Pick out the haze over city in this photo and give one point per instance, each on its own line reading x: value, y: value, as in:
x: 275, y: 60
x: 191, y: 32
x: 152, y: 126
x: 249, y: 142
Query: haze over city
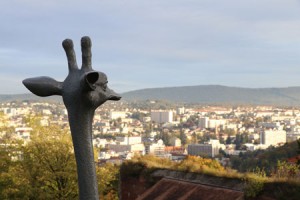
x: 147, y: 44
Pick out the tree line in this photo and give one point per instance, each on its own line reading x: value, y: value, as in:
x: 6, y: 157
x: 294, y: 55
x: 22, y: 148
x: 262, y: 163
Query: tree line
x: 45, y: 168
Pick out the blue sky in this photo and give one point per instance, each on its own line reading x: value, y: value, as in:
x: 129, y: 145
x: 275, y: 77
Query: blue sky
x: 158, y: 43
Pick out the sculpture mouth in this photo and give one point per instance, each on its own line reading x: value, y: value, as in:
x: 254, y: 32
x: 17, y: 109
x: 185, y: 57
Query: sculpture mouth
x: 114, y: 97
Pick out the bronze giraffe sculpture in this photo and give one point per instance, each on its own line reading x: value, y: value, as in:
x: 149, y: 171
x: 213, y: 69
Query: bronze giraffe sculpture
x: 82, y: 91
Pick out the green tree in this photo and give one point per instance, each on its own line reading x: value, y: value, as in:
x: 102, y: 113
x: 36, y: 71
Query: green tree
x: 49, y: 160
x: 138, y: 115
x: 7, y: 186
x: 198, y: 164
x: 165, y: 136
x: 46, y: 170
x: 238, y: 140
x: 5, y: 130
x: 229, y: 132
x: 45, y: 167
x: 108, y: 180
x: 286, y: 170
x: 182, y: 137
x: 298, y: 151
x: 228, y: 140
x: 194, y: 138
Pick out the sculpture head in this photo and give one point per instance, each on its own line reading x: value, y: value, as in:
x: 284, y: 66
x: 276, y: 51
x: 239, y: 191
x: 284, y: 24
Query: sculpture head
x: 82, y: 86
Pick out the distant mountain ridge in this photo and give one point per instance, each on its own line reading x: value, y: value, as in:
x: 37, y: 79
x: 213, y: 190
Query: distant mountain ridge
x: 203, y: 94
x: 27, y: 97
x: 217, y: 94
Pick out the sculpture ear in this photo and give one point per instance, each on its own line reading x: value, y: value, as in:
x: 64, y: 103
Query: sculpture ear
x: 90, y: 79
x: 43, y: 86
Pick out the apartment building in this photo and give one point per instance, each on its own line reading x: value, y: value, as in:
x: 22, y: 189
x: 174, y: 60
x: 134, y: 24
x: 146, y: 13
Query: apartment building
x: 162, y: 116
x: 210, y: 149
x: 272, y: 137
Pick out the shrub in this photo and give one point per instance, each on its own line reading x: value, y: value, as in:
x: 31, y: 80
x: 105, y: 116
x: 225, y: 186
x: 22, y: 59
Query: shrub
x: 254, y: 183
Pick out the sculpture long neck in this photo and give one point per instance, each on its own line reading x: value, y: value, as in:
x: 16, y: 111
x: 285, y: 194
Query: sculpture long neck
x: 81, y: 128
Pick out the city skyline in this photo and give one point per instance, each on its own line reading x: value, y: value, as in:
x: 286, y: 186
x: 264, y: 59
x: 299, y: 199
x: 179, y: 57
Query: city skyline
x: 143, y: 44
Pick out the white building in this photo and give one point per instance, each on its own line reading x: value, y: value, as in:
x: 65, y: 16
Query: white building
x: 146, y: 119
x: 210, y: 149
x: 264, y: 113
x: 127, y: 144
x: 254, y: 136
x: 23, y: 133
x: 203, y: 122
x: 180, y: 111
x: 250, y: 146
x: 272, y: 137
x: 214, y: 123
x: 122, y: 148
x: 176, y: 142
x: 10, y: 111
x: 46, y: 112
x: 157, y: 149
x: 269, y: 124
x: 117, y: 115
x: 161, y: 116
x: 98, y: 142
x: 233, y: 126
x: 129, y: 140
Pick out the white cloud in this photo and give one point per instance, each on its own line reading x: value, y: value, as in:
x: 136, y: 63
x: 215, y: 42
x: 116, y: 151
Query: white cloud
x: 151, y: 43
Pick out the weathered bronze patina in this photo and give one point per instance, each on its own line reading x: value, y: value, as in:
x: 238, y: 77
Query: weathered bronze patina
x: 82, y: 91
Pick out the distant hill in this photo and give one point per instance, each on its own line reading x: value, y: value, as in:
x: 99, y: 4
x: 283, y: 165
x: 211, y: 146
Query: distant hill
x: 203, y: 94
x: 29, y: 97
x: 217, y: 94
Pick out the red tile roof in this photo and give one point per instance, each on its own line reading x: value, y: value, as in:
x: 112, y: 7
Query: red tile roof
x: 182, y: 190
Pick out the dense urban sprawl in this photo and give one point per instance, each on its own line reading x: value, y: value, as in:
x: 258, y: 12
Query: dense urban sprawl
x: 122, y: 130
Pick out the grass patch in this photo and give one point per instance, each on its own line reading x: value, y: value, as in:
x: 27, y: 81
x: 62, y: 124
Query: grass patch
x: 256, y: 182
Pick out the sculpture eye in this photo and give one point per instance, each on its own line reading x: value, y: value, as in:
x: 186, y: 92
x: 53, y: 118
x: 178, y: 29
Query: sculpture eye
x: 104, y: 87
